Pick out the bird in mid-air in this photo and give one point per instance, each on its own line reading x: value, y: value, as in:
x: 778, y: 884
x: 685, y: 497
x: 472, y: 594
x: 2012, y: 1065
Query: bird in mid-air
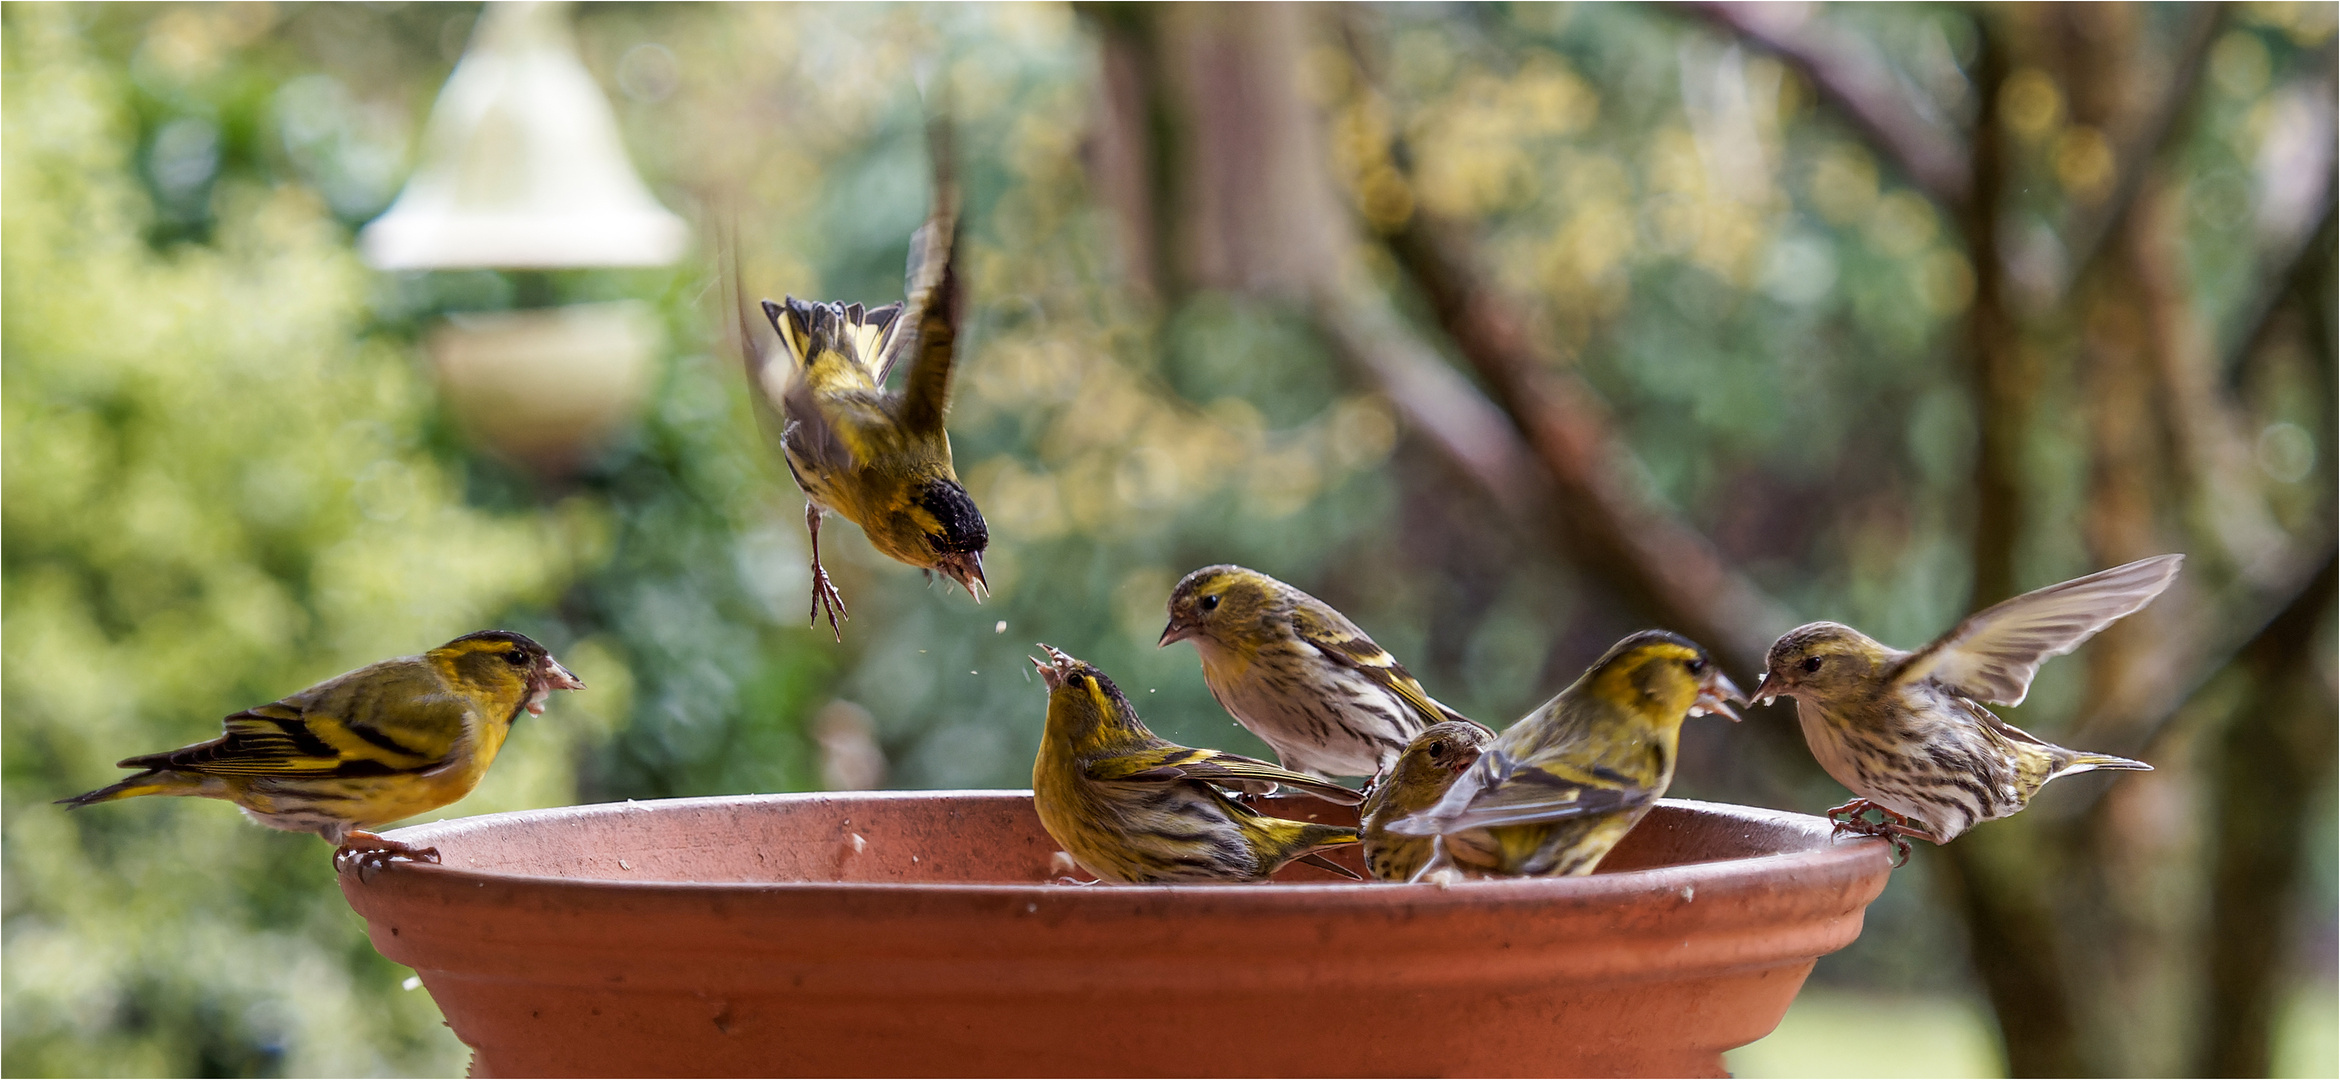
x: 876, y: 457
x: 1133, y: 808
x: 1299, y: 674
x: 1908, y: 732
x: 357, y: 751
x: 1557, y: 790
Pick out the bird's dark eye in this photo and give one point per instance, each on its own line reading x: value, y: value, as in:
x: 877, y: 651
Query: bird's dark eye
x: 1210, y: 603
x: 1695, y: 665
x: 1811, y: 663
x: 517, y: 658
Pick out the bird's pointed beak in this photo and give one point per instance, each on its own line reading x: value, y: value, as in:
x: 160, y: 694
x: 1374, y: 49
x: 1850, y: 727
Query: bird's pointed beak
x: 967, y: 569
x: 1716, y: 695
x: 1056, y: 667
x: 550, y: 676
x: 1763, y: 695
x: 1173, y: 633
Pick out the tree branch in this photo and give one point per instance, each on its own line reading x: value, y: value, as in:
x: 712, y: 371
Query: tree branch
x: 1445, y: 408
x: 1850, y: 77
x: 2277, y: 751
x: 1659, y: 563
x: 2293, y: 268
x: 2148, y: 142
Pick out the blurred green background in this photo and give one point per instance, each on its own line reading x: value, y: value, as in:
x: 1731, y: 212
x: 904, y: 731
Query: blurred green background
x: 1894, y: 310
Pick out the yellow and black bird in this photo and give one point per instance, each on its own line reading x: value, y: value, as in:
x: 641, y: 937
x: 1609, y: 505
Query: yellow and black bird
x: 879, y: 458
x: 1299, y: 674
x: 1557, y: 790
x: 1133, y: 808
x: 1909, y: 732
x: 1421, y: 777
x: 357, y: 751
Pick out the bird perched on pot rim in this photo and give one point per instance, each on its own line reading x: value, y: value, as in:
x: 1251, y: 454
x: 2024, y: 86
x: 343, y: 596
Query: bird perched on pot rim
x: 360, y: 750
x: 1299, y: 674
x: 1908, y: 732
x: 878, y: 458
x: 1130, y: 807
x: 1557, y: 790
x: 1415, y: 783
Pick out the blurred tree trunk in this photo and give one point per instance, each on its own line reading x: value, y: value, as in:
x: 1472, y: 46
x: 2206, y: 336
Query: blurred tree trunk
x: 2080, y: 914
x: 1998, y: 878
x: 2276, y: 753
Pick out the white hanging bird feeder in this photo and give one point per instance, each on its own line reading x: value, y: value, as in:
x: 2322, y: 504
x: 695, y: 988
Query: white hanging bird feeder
x: 522, y: 167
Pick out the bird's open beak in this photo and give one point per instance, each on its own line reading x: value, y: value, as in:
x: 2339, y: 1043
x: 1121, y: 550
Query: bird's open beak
x: 967, y: 570
x: 1173, y: 633
x: 1054, y: 669
x: 550, y: 676
x: 1763, y: 696
x: 1716, y: 695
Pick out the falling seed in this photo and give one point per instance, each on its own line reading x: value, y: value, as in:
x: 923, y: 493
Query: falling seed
x: 972, y: 671
x: 859, y: 843
x: 412, y: 982
x: 624, y: 865
x: 999, y: 627
x: 913, y: 858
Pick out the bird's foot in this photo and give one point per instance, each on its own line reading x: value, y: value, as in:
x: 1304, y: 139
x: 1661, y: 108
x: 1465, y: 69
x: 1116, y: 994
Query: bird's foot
x: 827, y: 599
x: 825, y: 595
x: 368, y: 854
x: 1895, y: 829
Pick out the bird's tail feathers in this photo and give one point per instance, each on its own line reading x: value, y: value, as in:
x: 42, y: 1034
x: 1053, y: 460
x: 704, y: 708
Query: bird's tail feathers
x: 150, y: 782
x: 2082, y: 762
x: 811, y: 329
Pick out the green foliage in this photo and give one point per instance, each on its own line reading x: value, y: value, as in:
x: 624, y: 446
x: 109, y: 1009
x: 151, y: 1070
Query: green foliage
x: 217, y: 494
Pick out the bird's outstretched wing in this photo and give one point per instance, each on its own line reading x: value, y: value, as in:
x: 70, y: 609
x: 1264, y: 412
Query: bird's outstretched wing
x: 1502, y: 791
x: 932, y: 305
x: 1165, y: 762
x: 1343, y: 643
x: 1992, y: 655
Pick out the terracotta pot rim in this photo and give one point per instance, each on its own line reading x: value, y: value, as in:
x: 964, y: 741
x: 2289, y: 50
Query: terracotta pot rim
x: 1823, y: 851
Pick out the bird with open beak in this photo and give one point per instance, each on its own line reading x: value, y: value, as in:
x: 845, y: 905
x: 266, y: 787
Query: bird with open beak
x: 876, y: 457
x: 1130, y: 807
x: 1557, y: 790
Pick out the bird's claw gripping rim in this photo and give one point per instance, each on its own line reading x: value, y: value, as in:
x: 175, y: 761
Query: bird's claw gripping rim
x: 1895, y: 829
x: 367, y: 854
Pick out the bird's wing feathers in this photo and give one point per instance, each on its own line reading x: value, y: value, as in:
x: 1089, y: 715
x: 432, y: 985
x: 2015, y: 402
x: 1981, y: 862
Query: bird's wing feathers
x: 1502, y: 791
x: 1343, y: 643
x: 785, y: 401
x: 370, y: 722
x: 1164, y: 763
x: 833, y: 432
x: 1993, y: 654
x: 933, y: 305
